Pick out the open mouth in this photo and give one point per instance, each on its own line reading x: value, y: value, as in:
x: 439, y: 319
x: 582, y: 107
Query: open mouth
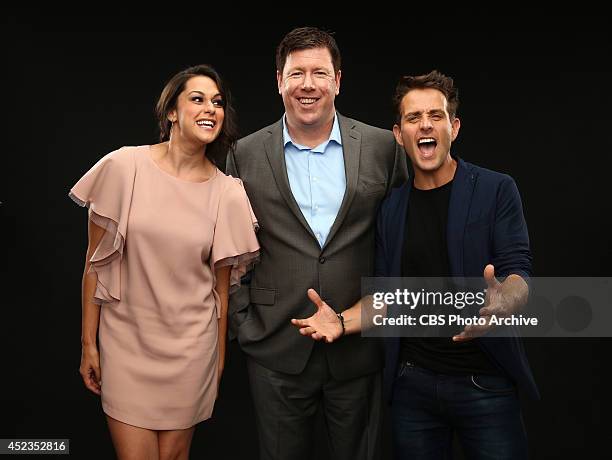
x: 427, y: 146
x: 307, y: 100
x: 210, y: 124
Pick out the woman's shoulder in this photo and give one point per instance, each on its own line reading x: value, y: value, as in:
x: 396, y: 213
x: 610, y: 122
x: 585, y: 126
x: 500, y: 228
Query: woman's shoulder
x: 231, y: 187
x: 127, y: 152
x: 123, y: 156
x: 230, y: 181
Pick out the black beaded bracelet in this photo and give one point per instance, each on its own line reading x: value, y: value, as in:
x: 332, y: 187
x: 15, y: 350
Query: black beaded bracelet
x: 341, y: 318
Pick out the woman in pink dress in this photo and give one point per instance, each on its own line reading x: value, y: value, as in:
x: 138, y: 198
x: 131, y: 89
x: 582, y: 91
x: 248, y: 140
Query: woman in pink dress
x: 169, y: 233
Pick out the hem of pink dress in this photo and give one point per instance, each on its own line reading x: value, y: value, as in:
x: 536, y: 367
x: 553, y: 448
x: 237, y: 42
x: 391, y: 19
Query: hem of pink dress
x: 149, y: 424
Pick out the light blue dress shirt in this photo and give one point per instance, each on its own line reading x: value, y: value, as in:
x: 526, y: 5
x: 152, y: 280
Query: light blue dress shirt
x: 317, y: 179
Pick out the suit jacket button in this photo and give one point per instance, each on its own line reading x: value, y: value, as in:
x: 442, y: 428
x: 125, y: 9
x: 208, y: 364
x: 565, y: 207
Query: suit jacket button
x: 321, y: 260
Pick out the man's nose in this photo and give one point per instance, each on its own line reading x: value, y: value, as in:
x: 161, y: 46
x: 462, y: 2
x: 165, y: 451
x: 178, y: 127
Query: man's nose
x: 308, y: 82
x: 426, y: 123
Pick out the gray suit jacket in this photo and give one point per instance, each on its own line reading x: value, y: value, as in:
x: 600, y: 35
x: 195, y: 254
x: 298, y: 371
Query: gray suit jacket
x: 292, y: 260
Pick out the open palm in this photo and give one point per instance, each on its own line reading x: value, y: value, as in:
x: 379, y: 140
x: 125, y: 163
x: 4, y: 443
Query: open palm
x: 324, y: 324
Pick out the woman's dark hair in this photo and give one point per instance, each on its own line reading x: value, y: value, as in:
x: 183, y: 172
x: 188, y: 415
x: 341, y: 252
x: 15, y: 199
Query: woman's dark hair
x: 217, y: 150
x: 304, y: 38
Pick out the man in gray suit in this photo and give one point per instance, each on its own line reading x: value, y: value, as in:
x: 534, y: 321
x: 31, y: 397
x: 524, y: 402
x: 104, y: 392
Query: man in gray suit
x: 315, y: 180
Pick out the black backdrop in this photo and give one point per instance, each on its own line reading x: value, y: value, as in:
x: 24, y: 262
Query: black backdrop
x: 535, y: 104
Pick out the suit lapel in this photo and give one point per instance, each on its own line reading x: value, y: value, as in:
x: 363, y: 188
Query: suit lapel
x: 351, y: 149
x: 396, y: 228
x: 276, y: 157
x: 458, y: 210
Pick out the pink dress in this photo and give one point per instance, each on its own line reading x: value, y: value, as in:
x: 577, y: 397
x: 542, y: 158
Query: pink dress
x: 156, y: 284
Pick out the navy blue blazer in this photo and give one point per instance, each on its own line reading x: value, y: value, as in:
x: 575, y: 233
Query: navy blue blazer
x: 485, y: 226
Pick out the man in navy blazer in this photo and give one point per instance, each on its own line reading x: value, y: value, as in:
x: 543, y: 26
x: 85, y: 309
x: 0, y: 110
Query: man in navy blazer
x: 452, y: 219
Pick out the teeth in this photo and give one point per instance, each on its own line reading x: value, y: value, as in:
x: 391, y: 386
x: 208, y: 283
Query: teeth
x: 426, y: 139
x: 305, y: 100
x: 205, y: 123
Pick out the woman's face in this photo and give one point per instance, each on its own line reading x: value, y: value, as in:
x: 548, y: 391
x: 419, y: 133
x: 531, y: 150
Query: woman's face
x: 199, y: 112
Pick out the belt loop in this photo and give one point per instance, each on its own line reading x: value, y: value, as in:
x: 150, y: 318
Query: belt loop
x: 402, y: 369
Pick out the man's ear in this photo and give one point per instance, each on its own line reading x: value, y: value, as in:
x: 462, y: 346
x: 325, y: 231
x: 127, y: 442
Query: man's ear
x: 279, y: 82
x: 456, y: 124
x: 397, y: 132
x: 338, y: 78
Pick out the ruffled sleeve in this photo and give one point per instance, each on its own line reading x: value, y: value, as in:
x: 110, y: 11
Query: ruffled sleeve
x: 106, y: 189
x: 234, y: 240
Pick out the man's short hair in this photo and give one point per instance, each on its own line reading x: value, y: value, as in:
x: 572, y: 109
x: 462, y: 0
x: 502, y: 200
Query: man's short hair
x: 304, y: 38
x: 433, y: 79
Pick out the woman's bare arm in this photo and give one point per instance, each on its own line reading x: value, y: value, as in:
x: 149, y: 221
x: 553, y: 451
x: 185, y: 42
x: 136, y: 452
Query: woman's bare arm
x: 223, y: 280
x: 90, y: 358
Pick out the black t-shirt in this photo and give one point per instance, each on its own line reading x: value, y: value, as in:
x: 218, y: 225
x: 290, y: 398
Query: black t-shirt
x: 425, y: 254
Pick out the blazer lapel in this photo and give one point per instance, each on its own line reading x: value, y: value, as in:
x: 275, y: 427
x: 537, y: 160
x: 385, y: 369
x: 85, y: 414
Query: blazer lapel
x: 458, y: 210
x: 396, y: 228
x: 276, y: 157
x: 351, y: 148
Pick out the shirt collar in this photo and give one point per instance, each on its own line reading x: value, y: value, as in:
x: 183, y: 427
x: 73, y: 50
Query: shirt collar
x: 334, y: 136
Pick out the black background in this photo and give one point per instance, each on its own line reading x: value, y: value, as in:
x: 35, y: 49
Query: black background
x: 535, y: 92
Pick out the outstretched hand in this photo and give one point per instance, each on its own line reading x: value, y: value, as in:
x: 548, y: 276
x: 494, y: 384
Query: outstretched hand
x: 324, y: 324
x: 496, y: 304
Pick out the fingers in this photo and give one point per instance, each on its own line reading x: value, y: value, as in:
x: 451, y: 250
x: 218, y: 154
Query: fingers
x: 91, y: 379
x: 471, y: 332
x: 300, y: 322
x: 312, y: 332
x: 305, y: 327
x: 319, y: 336
x: 97, y: 374
x: 307, y: 330
x: 489, y: 276
x: 462, y: 337
x: 315, y: 298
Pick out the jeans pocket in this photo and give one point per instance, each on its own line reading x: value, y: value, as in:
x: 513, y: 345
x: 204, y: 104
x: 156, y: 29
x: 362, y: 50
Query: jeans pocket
x: 493, y: 384
x: 403, y: 369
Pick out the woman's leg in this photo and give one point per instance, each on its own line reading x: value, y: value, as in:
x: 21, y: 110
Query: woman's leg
x: 132, y: 442
x: 175, y: 444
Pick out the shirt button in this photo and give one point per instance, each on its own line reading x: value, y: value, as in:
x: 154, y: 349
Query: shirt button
x: 321, y: 260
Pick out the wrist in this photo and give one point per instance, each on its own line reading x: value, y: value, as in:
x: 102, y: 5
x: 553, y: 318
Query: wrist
x: 86, y: 343
x: 341, y: 319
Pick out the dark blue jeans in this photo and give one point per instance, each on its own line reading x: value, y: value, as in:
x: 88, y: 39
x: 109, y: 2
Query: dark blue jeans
x: 483, y: 410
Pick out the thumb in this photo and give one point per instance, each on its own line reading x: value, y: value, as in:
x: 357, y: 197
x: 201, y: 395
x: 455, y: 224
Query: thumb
x: 489, y: 276
x: 314, y: 298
